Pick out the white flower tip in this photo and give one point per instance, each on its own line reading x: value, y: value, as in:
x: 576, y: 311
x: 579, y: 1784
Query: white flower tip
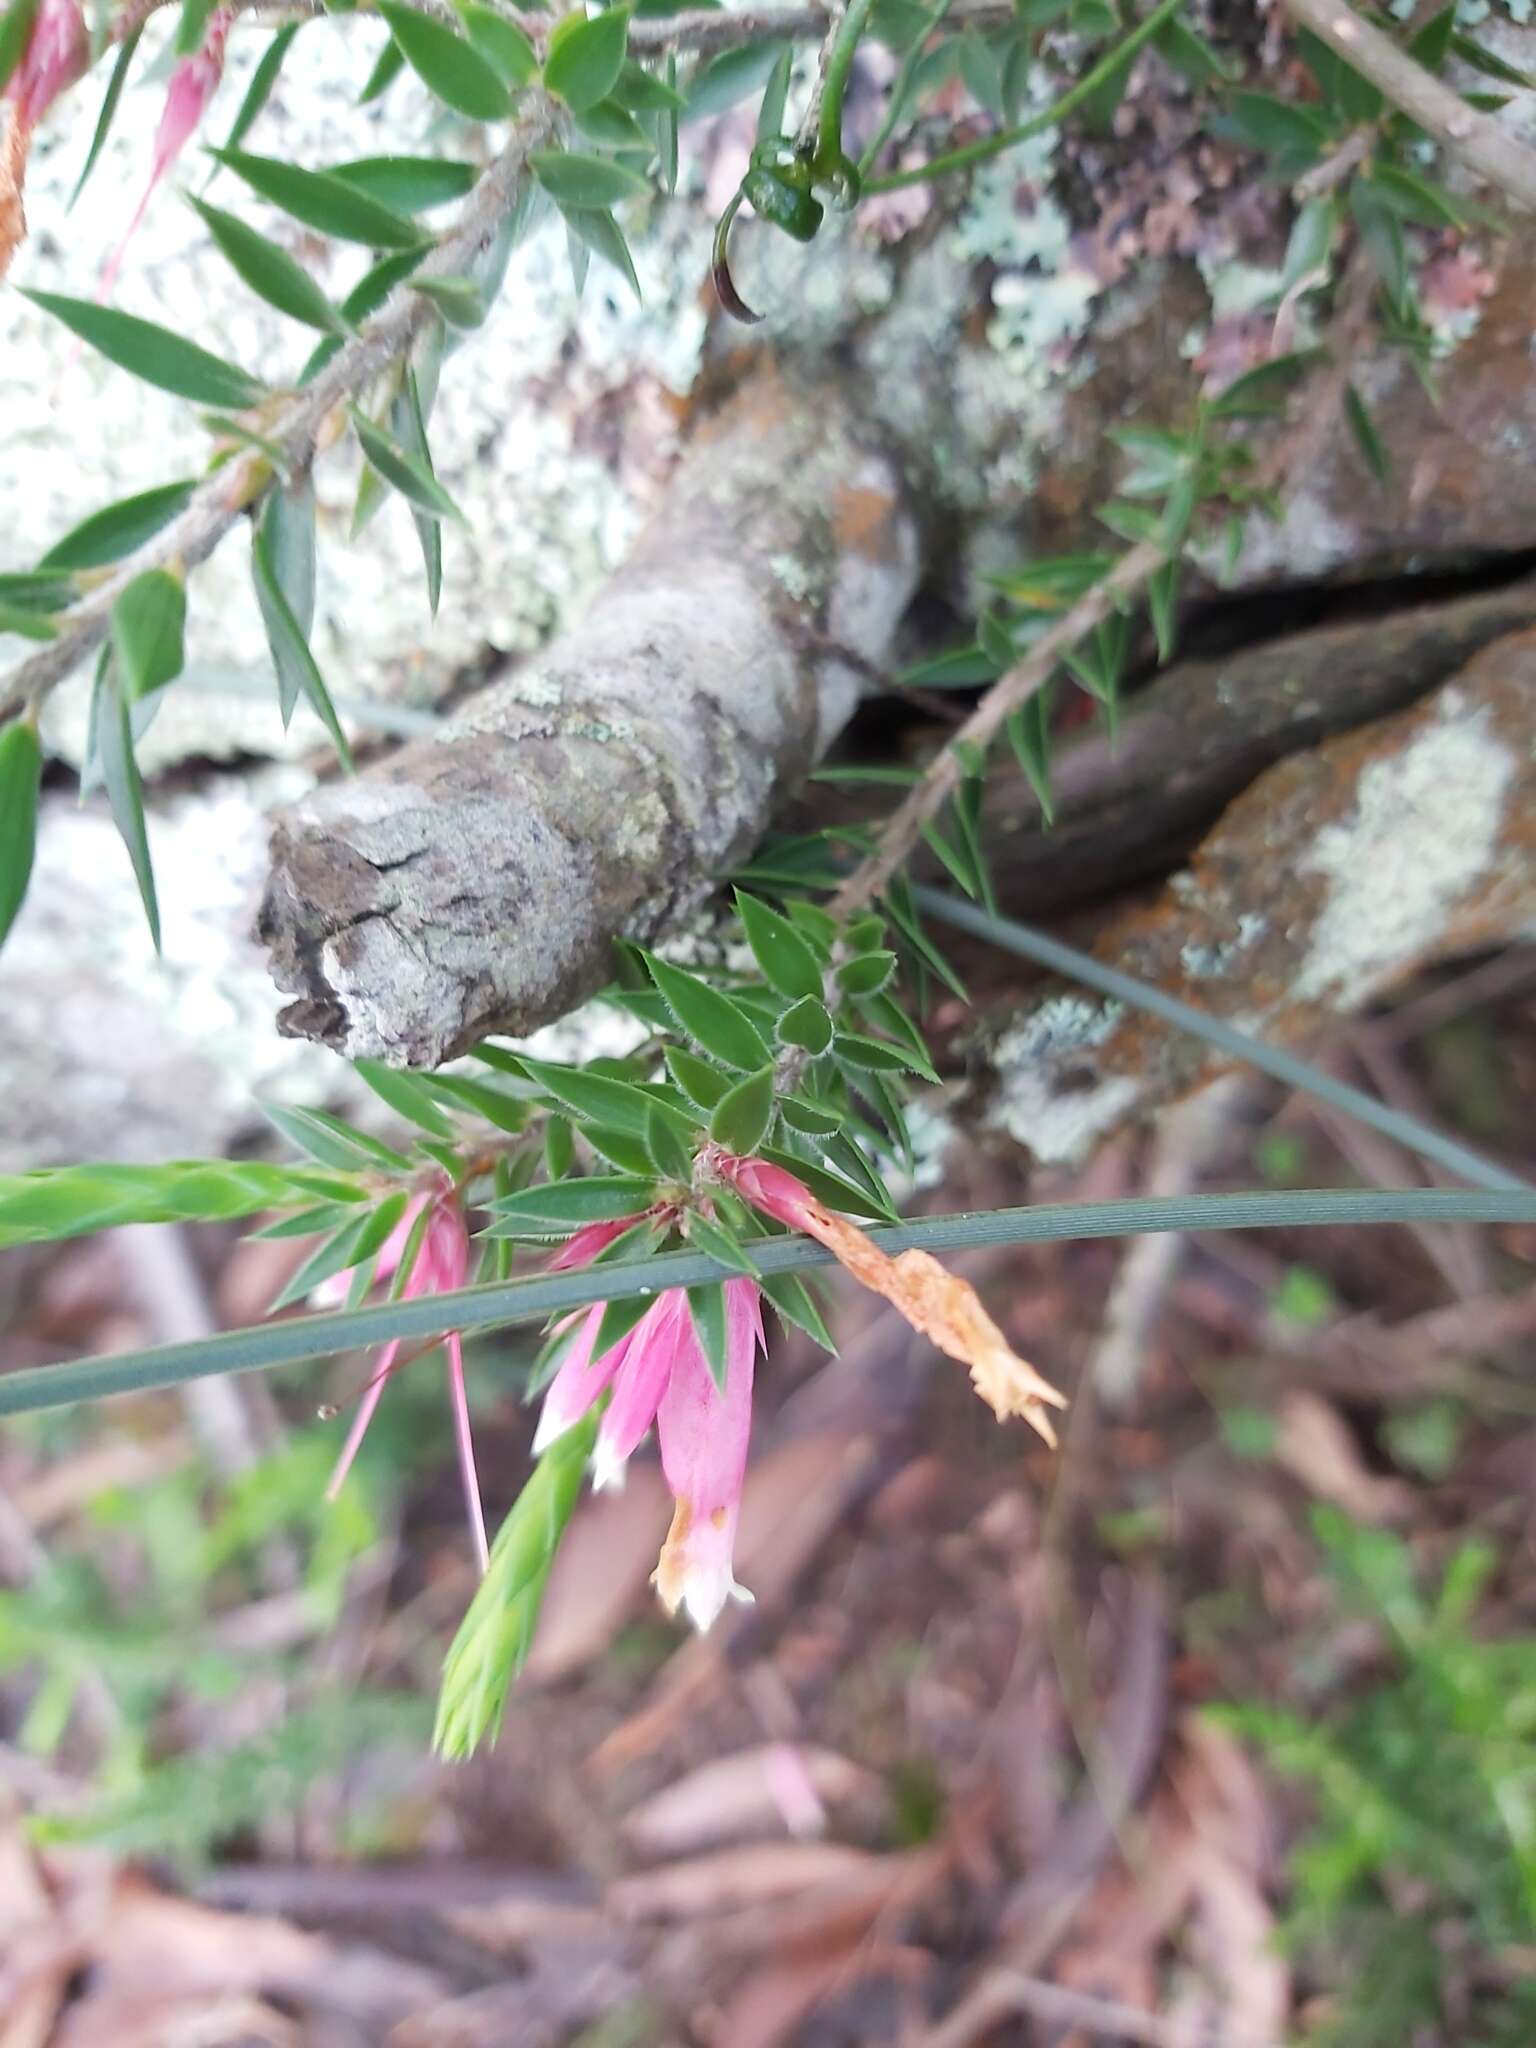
x: 693, y: 1572
x: 705, y: 1596
x: 607, y: 1470
x: 552, y: 1425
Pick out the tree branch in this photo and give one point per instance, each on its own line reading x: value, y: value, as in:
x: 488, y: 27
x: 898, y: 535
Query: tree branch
x: 300, y: 429
x: 1476, y: 138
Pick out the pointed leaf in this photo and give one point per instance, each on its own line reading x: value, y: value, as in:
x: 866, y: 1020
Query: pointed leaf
x: 409, y: 416
x: 387, y: 67
x: 263, y: 78
x: 1367, y: 439
x: 297, y: 671
x: 670, y: 1155
x: 153, y: 353
x: 806, y: 1024
x: 403, y: 473
x: 720, y: 1244
x: 406, y: 1094
x: 322, y: 201
x: 148, y: 622
x: 447, y: 64
x: 706, y: 1306
x: 125, y: 792
x: 269, y: 271
x: 602, y: 234
x: 741, y: 1120
x: 574, y: 179
x: 718, y: 1024
x: 787, y: 962
x: 500, y: 42
x: 790, y: 1297
x: 21, y: 771
x: 104, y: 119
x: 106, y: 536
x: 15, y: 33
x: 408, y: 184
x: 585, y: 57
x: 699, y: 1081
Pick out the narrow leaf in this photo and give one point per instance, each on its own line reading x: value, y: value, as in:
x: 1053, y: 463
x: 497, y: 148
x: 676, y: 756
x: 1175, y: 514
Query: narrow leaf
x: 297, y: 671
x: 586, y: 57
x: 21, y: 772
x: 403, y: 473
x: 408, y: 184
x: 125, y: 792
x: 406, y: 1094
x: 148, y: 622
x: 323, y: 201
x: 153, y: 353
x: 270, y: 271
x: 104, y: 119
x: 706, y: 1306
x: 106, y: 536
x: 447, y: 64
x: 718, y: 1024
x: 787, y: 962
x: 263, y: 78
x: 1367, y: 439
x: 574, y: 179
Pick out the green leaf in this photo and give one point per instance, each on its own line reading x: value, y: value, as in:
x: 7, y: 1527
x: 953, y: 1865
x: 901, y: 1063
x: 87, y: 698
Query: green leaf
x: 602, y: 234
x: 585, y: 57
x: 447, y: 64
x: 1029, y: 734
x: 269, y: 271
x: 1189, y: 54
x: 365, y: 297
x: 1163, y: 599
x: 741, y: 1119
x: 329, y: 1141
x: 706, y: 1306
x: 414, y: 483
x: 791, y: 1297
x: 813, y: 1119
x: 27, y: 621
x: 1293, y: 137
x: 458, y: 299
x: 502, y: 1111
x: 1367, y: 439
x: 574, y: 179
x: 387, y: 67
x: 862, y: 1051
x: 1431, y: 44
x: 153, y: 353
x: 718, y: 1243
x: 496, y: 1634
x: 148, y: 622
x: 718, y: 1024
x: 408, y: 184
x: 1353, y: 97
x: 500, y: 42
x: 730, y: 77
x: 21, y: 773
x: 358, y: 1239
x: 35, y: 590
x: 104, y: 119
x: 620, y: 1148
x: 409, y: 415
x: 1251, y: 393
x: 406, y: 1094
x: 106, y: 536
x: 618, y: 1319
x: 125, y: 792
x: 699, y: 1081
x: 672, y: 1159
x: 1313, y: 233
x: 15, y: 33
x: 787, y: 962
x: 287, y: 528
x: 1415, y: 198
x: 263, y: 78
x: 806, y: 1024
x: 770, y: 113
x: 866, y: 973
x: 1489, y: 63
x: 69, y: 1201
x: 595, y: 1097
x: 297, y: 671
x: 321, y: 200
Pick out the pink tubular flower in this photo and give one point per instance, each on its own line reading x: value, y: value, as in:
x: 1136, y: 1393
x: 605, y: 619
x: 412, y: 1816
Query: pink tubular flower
x: 658, y: 1374
x: 193, y: 84
x: 57, y: 52
x: 441, y: 1265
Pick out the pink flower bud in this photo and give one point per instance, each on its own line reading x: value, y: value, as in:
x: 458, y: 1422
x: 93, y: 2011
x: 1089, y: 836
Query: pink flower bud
x: 583, y: 1245
x: 769, y: 1188
x: 57, y: 53
x: 193, y: 84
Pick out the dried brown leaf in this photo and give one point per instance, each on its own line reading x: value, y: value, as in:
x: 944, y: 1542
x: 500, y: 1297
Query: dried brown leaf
x: 736, y: 1795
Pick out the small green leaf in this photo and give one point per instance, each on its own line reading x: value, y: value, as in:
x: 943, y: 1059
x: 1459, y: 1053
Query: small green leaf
x: 357, y: 1241
x: 1029, y: 734
x: 419, y: 488
x: 269, y: 271
x: 21, y: 772
x: 297, y: 671
x: 730, y: 77
x: 770, y: 113
x: 670, y: 1155
x: 602, y: 234
x: 787, y: 962
x: 806, y: 1024
x: 409, y: 416
x: 719, y: 1244
x: 862, y: 1051
x: 148, y: 622
x: 387, y: 67
x: 330, y: 1142
x: 29, y: 623
x: 1313, y: 233
x: 699, y: 1081
x: 365, y: 297
x: 866, y: 974
x: 706, y: 1305
x: 718, y: 1024
x: 104, y: 119
x: 406, y: 1094
x: 263, y: 78
x: 125, y: 792
x: 1367, y: 439
x: 408, y: 184
x: 1162, y: 599
x: 813, y: 1119
x: 321, y: 200
x: 458, y: 299
x: 790, y: 1297
x: 153, y: 353
x: 447, y: 64
x: 585, y: 57
x: 500, y: 42
x: 741, y: 1119
x: 1415, y: 198
x: 595, y: 1097
x: 116, y: 530
x: 574, y: 179
x: 192, y: 27
x: 1490, y: 64
x: 618, y: 1319
x: 288, y: 543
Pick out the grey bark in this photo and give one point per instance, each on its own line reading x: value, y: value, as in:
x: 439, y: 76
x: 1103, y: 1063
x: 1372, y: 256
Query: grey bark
x: 476, y: 883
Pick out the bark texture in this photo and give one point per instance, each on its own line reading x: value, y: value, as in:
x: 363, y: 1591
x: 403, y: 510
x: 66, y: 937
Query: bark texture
x: 1332, y: 881
x: 476, y: 883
